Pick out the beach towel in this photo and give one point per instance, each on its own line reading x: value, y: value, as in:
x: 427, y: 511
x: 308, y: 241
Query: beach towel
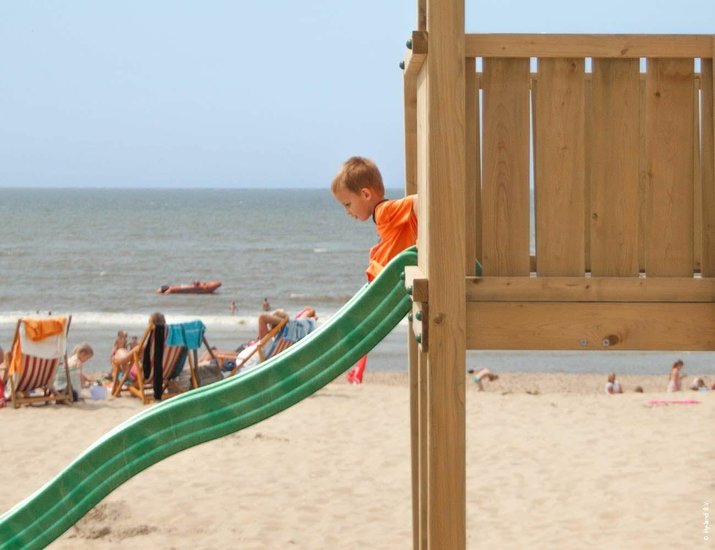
x: 188, y: 335
x: 43, y: 338
x: 294, y: 330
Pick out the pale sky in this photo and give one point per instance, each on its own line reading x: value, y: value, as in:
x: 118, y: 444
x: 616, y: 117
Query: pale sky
x: 230, y: 93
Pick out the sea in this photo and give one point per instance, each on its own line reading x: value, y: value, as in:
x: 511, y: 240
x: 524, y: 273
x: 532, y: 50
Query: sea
x: 100, y: 254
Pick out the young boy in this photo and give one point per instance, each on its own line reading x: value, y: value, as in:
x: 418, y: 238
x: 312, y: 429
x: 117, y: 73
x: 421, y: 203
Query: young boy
x: 358, y: 187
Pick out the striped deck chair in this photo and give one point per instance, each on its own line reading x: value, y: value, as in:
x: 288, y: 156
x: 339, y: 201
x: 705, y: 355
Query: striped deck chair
x: 38, y: 348
x: 168, y: 345
x: 282, y: 336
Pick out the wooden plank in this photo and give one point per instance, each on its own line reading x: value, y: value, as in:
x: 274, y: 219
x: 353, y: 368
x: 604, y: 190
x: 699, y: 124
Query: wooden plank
x: 471, y: 140
x: 422, y: 15
x: 478, y: 175
x: 614, y: 168
x: 417, y: 284
x: 587, y: 155
x: 669, y: 146
x: 630, y: 46
x: 642, y: 177
x: 707, y: 160
x: 441, y: 257
x: 591, y: 326
x: 423, y: 403
x: 410, y: 110
x: 697, y: 180
x: 413, y: 370
x: 413, y: 62
x: 590, y: 289
x: 559, y: 131
x: 505, y: 157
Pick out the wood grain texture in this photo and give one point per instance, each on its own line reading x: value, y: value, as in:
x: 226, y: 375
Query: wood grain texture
x: 559, y: 164
x: 441, y: 257
x: 588, y: 45
x: 590, y: 289
x: 669, y: 147
x: 614, y: 168
x: 707, y: 159
x: 505, y: 155
x: 591, y: 326
x: 472, y: 189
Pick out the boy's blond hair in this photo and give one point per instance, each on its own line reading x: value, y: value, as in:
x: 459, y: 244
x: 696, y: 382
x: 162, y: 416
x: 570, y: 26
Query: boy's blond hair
x: 357, y: 173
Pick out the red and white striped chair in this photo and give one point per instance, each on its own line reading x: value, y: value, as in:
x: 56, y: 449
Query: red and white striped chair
x: 33, y: 360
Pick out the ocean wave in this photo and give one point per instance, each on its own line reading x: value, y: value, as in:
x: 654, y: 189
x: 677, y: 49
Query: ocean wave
x: 322, y: 298
x: 104, y: 319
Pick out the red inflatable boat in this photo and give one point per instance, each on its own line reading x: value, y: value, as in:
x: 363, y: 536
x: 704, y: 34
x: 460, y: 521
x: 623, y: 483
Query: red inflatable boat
x: 197, y: 287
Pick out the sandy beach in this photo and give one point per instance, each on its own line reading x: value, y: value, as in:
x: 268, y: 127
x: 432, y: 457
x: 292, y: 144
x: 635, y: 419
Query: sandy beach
x: 552, y: 462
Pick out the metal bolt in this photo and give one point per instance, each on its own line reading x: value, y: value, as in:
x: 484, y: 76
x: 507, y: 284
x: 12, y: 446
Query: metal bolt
x: 409, y: 317
x: 409, y: 44
x: 418, y: 315
x: 409, y: 290
x: 402, y: 65
x: 418, y: 337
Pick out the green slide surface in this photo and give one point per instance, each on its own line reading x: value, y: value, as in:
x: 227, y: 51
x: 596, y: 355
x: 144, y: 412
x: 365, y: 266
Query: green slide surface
x: 212, y: 411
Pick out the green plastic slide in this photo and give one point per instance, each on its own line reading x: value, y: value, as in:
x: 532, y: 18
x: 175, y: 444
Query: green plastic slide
x: 211, y: 412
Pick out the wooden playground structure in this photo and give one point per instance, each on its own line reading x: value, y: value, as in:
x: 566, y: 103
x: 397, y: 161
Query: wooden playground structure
x: 615, y: 134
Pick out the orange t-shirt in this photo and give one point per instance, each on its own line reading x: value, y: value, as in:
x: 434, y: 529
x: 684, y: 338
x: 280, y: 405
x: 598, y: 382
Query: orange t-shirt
x: 397, y: 229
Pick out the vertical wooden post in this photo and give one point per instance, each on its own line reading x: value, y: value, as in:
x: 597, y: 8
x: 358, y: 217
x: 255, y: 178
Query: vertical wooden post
x: 441, y: 188
x: 708, y: 165
x: 421, y: 15
x: 410, y: 99
x: 472, y: 189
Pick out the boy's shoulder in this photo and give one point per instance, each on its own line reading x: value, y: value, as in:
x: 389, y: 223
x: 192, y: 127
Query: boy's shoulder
x: 394, y: 210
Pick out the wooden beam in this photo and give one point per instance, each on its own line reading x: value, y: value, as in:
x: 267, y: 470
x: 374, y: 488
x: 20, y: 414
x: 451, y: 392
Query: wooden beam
x: 410, y: 114
x: 416, y: 53
x: 587, y: 289
x: 588, y: 45
x: 441, y: 258
x: 417, y: 284
x: 591, y: 326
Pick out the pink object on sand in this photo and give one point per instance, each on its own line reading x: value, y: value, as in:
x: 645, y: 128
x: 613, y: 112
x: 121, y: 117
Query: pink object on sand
x: 658, y: 402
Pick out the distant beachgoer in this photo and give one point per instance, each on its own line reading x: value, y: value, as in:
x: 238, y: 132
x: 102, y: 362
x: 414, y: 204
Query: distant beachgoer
x: 638, y: 389
x: 122, y: 359
x: 120, y: 342
x: 266, y: 305
x: 613, y: 385
x: 80, y: 355
x: 2, y: 355
x: 699, y: 385
x: 483, y: 374
x: 675, y: 378
x: 133, y: 342
x: 232, y: 308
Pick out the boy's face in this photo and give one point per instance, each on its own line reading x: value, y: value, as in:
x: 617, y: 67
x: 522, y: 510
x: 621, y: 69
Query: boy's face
x: 358, y: 205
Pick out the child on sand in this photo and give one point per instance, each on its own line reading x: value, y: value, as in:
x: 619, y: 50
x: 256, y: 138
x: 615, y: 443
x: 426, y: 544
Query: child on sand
x: 358, y: 187
x: 675, y: 379
x: 613, y: 385
x: 483, y: 374
x: 80, y: 355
